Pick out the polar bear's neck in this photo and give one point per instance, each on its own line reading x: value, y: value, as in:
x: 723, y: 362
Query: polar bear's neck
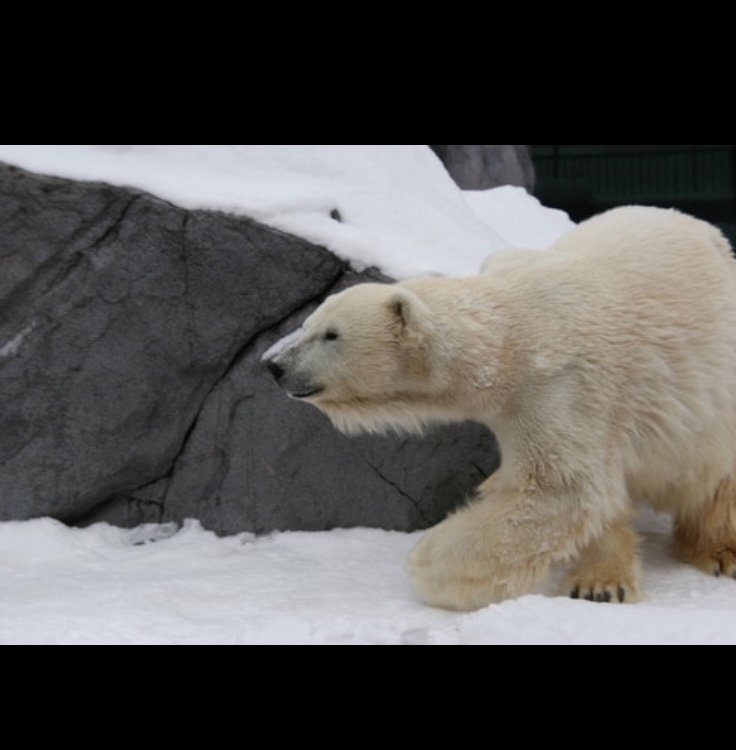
x: 474, y: 353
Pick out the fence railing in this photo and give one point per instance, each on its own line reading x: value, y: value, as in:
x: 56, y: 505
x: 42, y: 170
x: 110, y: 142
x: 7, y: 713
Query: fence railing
x: 705, y: 170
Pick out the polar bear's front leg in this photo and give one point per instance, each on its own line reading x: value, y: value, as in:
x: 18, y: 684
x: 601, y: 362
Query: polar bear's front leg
x: 498, y: 546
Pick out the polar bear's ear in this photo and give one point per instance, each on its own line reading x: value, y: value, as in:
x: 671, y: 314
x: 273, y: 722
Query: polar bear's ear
x: 409, y: 312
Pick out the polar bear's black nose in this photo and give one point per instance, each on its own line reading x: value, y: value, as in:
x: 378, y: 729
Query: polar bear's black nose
x: 275, y: 370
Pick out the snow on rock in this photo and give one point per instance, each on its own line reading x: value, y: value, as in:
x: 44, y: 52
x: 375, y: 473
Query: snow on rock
x: 526, y: 222
x: 154, y: 584
x: 393, y: 207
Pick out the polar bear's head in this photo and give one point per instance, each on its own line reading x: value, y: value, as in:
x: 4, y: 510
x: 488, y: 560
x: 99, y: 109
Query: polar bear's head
x: 366, y: 357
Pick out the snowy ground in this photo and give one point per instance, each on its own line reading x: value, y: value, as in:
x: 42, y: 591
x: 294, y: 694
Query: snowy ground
x: 108, y: 585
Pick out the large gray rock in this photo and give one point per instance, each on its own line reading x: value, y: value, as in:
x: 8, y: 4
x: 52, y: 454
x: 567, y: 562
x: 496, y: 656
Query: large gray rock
x: 483, y: 167
x: 131, y: 388
x: 118, y: 314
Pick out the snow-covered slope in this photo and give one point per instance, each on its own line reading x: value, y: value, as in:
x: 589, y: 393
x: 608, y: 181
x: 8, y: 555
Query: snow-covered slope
x: 109, y: 585
x: 399, y: 209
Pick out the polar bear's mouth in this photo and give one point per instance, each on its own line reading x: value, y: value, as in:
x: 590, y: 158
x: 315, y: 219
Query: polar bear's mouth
x: 305, y: 394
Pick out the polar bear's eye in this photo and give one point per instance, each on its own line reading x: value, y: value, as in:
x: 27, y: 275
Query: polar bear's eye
x: 330, y: 335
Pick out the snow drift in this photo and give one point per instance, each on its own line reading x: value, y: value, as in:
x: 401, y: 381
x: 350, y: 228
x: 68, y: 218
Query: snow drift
x: 393, y: 207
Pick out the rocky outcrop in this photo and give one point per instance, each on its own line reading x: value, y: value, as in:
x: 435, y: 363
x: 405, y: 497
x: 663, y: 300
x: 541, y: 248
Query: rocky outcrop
x: 130, y: 386
x: 483, y: 167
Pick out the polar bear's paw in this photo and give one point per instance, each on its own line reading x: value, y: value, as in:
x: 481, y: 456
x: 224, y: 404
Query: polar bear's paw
x: 608, y: 568
x: 601, y: 590
x: 717, y: 562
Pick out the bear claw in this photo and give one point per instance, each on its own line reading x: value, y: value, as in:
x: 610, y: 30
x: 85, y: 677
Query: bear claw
x: 719, y: 563
x: 726, y: 564
x: 606, y: 595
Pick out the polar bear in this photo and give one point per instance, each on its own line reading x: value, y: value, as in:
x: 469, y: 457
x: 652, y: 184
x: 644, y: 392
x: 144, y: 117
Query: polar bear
x: 605, y: 366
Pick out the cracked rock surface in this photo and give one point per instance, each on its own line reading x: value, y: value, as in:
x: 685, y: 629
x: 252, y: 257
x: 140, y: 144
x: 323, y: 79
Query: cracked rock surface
x: 130, y: 382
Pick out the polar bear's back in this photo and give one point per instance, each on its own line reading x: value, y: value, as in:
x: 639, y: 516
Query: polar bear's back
x: 640, y: 264
x: 640, y: 279
x: 659, y: 231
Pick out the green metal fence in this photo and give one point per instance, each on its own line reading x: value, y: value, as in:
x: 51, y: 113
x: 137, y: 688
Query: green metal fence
x: 657, y: 171
x: 585, y: 180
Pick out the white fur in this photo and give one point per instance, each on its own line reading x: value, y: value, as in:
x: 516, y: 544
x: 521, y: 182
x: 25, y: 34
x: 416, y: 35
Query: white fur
x: 282, y: 344
x: 605, y: 366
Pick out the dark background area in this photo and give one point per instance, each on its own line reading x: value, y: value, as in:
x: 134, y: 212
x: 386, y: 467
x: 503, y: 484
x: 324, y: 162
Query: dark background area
x: 585, y: 180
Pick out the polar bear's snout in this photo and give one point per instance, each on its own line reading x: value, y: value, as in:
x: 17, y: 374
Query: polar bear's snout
x: 284, y: 360
x: 294, y: 379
